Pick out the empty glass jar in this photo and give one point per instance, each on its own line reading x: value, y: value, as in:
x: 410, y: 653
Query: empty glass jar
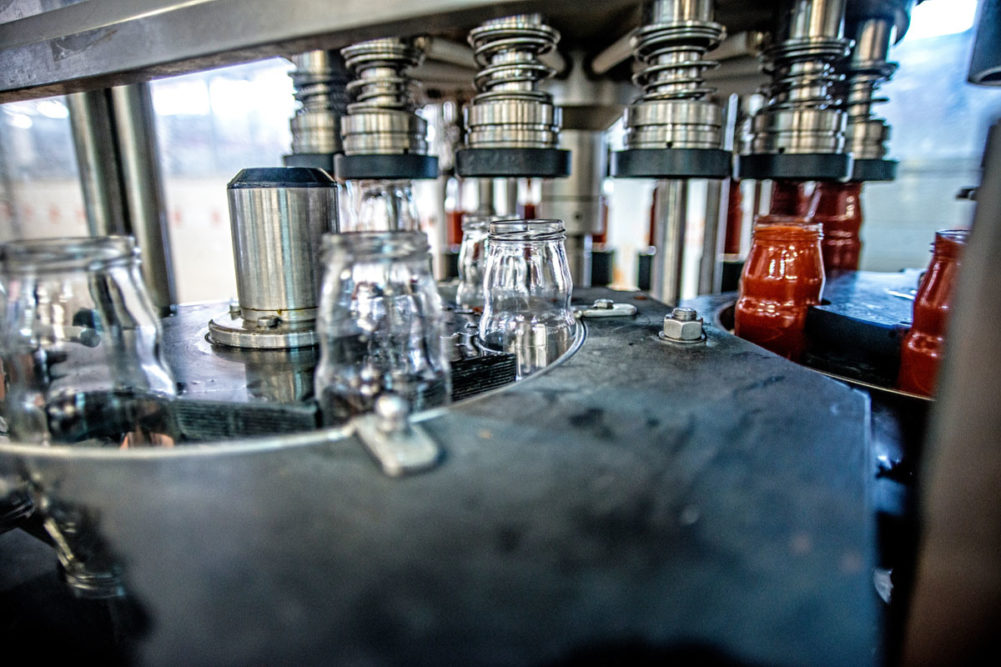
x: 380, y: 325
x: 81, y: 345
x: 473, y: 260
x: 381, y: 206
x: 526, y: 308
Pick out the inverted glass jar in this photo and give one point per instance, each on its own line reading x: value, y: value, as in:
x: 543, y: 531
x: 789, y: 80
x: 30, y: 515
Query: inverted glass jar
x: 782, y: 278
x: 81, y: 345
x: 380, y: 325
x: 526, y: 310
x: 922, y: 347
x: 838, y: 208
x: 381, y: 206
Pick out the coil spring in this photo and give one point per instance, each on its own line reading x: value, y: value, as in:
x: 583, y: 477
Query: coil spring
x: 507, y: 51
x: 672, y: 53
x: 379, y: 66
x: 802, y: 72
x: 319, y: 82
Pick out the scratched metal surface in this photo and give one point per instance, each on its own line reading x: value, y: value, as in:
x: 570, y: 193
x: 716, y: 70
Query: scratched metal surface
x: 639, y: 501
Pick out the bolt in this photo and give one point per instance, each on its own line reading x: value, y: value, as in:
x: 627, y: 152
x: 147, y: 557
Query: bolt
x: 234, y: 310
x: 268, y: 322
x: 682, y: 326
x: 684, y: 314
x: 603, y: 304
x: 392, y: 411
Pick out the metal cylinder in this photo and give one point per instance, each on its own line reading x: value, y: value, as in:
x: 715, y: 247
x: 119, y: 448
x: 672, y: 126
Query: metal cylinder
x: 864, y: 73
x: 143, y: 188
x: 672, y: 112
x: 278, y: 217
x: 320, y: 79
x: 91, y: 119
x: 510, y: 111
x: 801, y: 116
x: 671, y: 217
x: 985, y: 61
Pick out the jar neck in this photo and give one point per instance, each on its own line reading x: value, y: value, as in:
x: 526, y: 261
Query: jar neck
x: 67, y: 254
x: 950, y: 243
x: 833, y: 198
x: 787, y: 229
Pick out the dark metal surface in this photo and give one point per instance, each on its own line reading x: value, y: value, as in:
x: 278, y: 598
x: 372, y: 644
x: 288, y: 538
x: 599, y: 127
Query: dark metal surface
x: 511, y: 162
x: 324, y: 161
x: 874, y: 170
x: 641, y: 500
x: 378, y: 167
x: 795, y: 166
x: 671, y: 163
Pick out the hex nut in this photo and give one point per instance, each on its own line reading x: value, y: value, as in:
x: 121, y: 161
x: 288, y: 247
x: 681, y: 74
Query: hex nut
x: 682, y: 331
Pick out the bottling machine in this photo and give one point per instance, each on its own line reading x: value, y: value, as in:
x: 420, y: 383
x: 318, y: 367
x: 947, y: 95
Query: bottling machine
x: 663, y: 491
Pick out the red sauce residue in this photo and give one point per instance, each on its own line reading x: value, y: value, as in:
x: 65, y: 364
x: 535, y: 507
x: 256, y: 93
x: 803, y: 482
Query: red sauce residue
x: 454, y: 229
x: 782, y: 278
x: 838, y: 207
x: 734, y: 219
x: 921, y: 349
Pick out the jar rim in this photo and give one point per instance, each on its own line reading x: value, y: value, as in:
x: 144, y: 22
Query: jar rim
x: 68, y: 253
x: 961, y: 236
x: 516, y: 229
x: 787, y: 226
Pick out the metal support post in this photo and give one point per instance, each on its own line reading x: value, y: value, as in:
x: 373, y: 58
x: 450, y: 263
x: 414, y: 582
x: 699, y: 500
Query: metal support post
x: 671, y: 215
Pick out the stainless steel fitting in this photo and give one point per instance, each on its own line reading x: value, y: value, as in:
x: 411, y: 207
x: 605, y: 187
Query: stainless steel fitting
x: 682, y: 325
x: 381, y: 118
x: 673, y: 112
x: 864, y: 73
x: 802, y: 116
x: 509, y: 110
x: 320, y: 81
x: 278, y: 217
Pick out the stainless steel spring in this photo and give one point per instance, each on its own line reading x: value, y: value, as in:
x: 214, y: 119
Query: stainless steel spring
x: 507, y: 51
x: 379, y: 66
x: 319, y: 81
x: 672, y: 55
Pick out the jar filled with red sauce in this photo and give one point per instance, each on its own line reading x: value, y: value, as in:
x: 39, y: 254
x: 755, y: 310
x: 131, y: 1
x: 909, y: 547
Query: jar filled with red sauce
x: 782, y: 278
x: 921, y: 349
x: 838, y: 208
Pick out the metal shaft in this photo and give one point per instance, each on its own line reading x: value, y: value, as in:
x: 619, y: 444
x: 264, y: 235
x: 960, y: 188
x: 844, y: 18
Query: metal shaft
x: 143, y: 189
x: 97, y: 161
x: 671, y: 216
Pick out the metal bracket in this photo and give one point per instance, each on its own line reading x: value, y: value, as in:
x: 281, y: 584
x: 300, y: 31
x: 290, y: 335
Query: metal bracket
x: 401, y: 448
x: 607, y: 308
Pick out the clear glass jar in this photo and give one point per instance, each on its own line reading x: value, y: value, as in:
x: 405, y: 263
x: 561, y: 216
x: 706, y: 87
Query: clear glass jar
x: 381, y: 206
x: 81, y: 345
x: 380, y: 325
x: 527, y: 292
x: 782, y: 278
x: 473, y: 260
x: 922, y: 347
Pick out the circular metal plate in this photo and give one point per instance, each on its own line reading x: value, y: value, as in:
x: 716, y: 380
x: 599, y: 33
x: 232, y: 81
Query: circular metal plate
x: 796, y: 166
x: 671, y: 163
x: 324, y: 161
x: 282, y: 337
x: 513, y: 162
x: 874, y: 170
x: 375, y: 166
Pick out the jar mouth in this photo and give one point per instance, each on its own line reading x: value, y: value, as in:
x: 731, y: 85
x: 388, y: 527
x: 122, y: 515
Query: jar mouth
x: 960, y: 236
x: 513, y: 229
x: 475, y: 222
x: 787, y: 227
x: 89, y: 253
x: 377, y: 245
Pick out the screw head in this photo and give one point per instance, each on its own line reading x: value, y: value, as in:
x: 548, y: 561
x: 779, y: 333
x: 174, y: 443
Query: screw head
x: 603, y: 304
x: 682, y: 327
x: 392, y: 411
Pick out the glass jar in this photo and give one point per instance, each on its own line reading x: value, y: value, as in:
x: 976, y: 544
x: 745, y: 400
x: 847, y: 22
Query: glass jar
x: 81, y: 345
x: 381, y: 206
x: 922, y: 347
x: 473, y: 260
x: 782, y: 278
x: 380, y: 325
x: 838, y: 208
x: 526, y: 308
